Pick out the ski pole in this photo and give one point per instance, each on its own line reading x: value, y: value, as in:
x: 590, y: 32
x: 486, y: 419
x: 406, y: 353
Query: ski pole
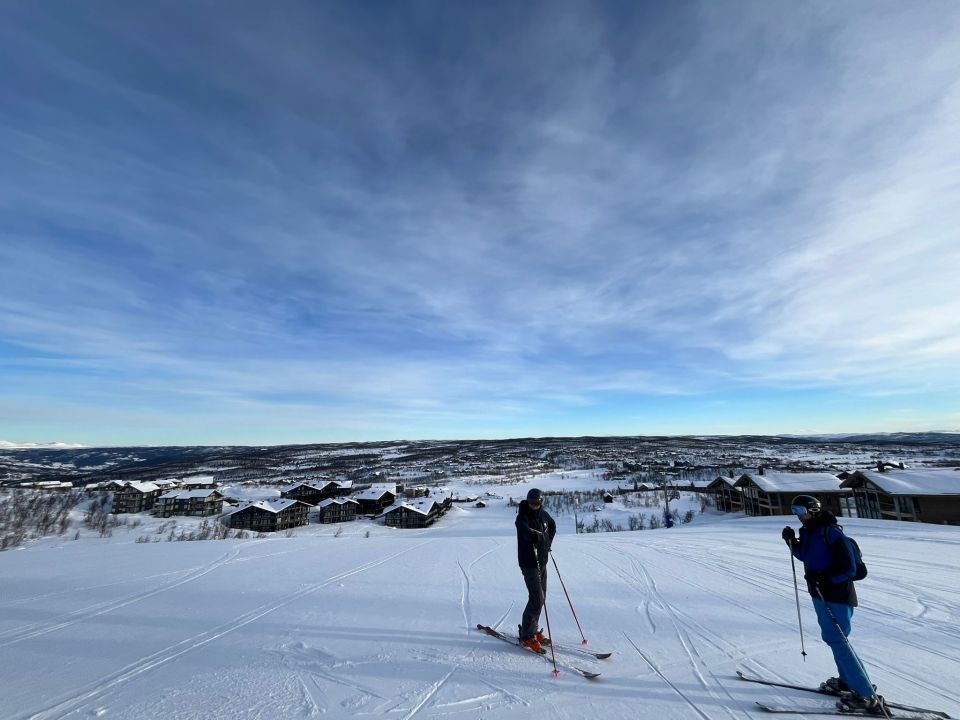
x: 569, y: 602
x: 796, y: 592
x: 543, y: 591
x: 845, y: 640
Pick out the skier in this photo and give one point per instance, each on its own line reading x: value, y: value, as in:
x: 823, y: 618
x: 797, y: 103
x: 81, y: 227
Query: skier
x: 535, y: 532
x: 829, y: 567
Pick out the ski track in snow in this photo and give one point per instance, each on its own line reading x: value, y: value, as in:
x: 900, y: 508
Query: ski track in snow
x: 73, y: 705
x: 684, y: 610
x: 16, y: 635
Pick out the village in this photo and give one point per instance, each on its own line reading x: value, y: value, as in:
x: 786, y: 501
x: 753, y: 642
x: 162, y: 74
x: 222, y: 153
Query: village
x: 888, y: 491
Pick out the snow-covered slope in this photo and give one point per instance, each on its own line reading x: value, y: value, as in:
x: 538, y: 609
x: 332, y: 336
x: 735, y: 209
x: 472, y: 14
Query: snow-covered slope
x: 352, y: 626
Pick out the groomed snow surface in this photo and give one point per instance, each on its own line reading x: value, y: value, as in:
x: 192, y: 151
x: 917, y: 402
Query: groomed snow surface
x: 383, y: 626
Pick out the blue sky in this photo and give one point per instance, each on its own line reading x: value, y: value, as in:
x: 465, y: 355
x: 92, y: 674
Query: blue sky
x: 256, y: 223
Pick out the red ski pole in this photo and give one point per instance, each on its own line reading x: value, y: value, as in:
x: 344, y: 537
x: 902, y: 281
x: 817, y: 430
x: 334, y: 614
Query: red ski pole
x: 568, y: 599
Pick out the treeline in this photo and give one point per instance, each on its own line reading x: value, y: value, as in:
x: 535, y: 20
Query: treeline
x: 25, y: 515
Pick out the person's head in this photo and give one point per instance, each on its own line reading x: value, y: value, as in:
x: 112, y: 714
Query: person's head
x: 805, y: 507
x: 535, y: 498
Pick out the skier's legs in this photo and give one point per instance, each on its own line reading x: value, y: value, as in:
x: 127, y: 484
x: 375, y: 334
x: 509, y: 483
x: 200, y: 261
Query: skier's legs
x: 849, y: 667
x: 530, y: 622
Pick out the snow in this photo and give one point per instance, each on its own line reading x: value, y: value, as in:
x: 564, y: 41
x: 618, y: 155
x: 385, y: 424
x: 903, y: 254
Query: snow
x: 772, y: 481
x: 916, y: 482
x: 357, y: 626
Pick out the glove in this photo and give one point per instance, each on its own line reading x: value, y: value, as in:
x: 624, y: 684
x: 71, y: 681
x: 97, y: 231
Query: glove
x: 789, y: 535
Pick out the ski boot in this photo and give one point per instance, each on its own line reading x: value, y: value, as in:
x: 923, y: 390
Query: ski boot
x: 834, y: 686
x: 542, y: 639
x: 532, y: 644
x: 853, y: 703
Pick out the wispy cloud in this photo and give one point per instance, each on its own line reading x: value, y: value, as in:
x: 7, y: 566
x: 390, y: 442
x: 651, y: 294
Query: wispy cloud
x: 489, y: 215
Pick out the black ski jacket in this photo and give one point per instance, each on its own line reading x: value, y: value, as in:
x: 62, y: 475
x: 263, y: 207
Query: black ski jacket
x: 535, y: 528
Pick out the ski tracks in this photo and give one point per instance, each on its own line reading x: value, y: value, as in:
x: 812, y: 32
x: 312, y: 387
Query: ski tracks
x: 17, y: 635
x: 68, y: 706
x: 468, y: 623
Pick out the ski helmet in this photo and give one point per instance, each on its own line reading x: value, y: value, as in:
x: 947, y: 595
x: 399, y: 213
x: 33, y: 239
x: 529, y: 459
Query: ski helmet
x: 535, y: 494
x: 805, y: 504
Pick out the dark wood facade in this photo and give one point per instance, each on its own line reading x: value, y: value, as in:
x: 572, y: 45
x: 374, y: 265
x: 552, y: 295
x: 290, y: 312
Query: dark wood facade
x: 335, y: 510
x: 374, y: 502
x: 134, y: 498
x: 727, y: 498
x: 905, y: 498
x: 189, y: 502
x: 419, y: 514
x: 314, y: 493
x: 266, y: 516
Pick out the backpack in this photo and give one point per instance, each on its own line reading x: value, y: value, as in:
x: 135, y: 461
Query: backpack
x: 861, y: 569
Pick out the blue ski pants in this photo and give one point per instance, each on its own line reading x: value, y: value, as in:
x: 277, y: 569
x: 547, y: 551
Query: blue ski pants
x: 849, y: 668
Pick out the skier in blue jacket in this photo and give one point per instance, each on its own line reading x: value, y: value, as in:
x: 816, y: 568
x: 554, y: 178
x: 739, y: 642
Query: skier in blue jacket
x: 829, y: 566
x: 535, y: 532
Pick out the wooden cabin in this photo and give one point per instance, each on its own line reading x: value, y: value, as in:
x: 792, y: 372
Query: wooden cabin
x: 770, y: 492
x: 335, y: 510
x: 134, y: 497
x: 418, y: 513
x: 727, y: 498
x: 269, y: 515
x: 376, y: 499
x: 202, y: 502
x: 914, y: 495
x: 199, y: 482
x: 313, y: 492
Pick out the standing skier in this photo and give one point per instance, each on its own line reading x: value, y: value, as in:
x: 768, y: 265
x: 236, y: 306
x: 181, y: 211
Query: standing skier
x: 829, y: 566
x: 535, y: 532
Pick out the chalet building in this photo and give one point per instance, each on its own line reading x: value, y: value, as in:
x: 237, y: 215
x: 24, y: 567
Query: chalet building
x: 335, y: 510
x: 418, y: 513
x: 134, y: 497
x: 313, y: 493
x: 199, y: 482
x: 726, y: 497
x: 769, y: 492
x: 200, y: 502
x: 167, y: 485
x: 106, y: 486
x: 269, y: 515
x: 374, y: 500
x: 921, y: 495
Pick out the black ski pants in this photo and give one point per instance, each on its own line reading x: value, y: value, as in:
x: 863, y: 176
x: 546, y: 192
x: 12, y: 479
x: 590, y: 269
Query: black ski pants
x: 536, y: 582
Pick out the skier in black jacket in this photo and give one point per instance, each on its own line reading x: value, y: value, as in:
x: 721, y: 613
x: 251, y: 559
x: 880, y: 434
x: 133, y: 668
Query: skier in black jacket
x: 535, y: 532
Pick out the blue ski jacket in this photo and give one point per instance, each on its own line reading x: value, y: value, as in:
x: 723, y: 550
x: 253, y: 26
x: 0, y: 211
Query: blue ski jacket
x: 828, y: 562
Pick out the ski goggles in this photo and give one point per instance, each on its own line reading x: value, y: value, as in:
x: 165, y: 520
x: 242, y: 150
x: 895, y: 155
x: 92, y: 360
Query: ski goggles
x: 800, y: 510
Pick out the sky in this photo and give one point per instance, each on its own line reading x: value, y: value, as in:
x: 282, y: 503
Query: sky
x: 249, y: 223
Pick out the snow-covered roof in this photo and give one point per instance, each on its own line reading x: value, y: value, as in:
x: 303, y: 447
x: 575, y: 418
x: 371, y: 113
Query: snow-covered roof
x: 144, y: 487
x: 420, y: 505
x: 198, y: 480
x: 313, y: 486
x: 935, y: 481
x: 774, y: 481
x: 187, y: 494
x: 376, y: 492
x: 336, y: 501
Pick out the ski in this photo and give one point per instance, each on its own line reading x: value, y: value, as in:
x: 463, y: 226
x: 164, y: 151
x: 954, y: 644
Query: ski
x: 892, y: 705
x: 516, y: 643
x: 904, y: 714
x: 581, y: 651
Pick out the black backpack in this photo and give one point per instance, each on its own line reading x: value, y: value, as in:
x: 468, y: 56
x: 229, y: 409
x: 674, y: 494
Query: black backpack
x: 861, y: 571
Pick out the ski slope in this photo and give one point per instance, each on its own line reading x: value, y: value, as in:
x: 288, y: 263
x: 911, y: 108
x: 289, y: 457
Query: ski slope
x: 384, y: 626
